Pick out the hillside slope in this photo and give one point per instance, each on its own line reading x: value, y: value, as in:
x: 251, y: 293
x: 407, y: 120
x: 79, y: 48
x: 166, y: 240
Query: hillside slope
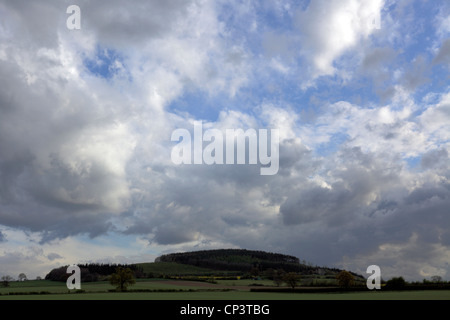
x: 239, y: 260
x: 201, y: 263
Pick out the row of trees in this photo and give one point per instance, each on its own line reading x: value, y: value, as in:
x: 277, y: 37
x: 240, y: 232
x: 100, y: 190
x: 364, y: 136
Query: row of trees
x: 238, y: 260
x: 345, y: 279
x: 228, y: 255
x: 92, y: 272
x: 121, y: 277
x: 125, y: 276
x: 5, y: 280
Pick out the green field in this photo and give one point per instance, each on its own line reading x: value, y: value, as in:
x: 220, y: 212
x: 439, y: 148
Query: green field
x: 170, y: 268
x: 159, y: 289
x: 238, y: 295
x: 52, y: 287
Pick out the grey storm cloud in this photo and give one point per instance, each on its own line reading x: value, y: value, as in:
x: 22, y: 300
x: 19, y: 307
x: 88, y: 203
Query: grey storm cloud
x: 369, y: 206
x: 339, y: 202
x: 443, y: 55
x: 40, y: 21
x: 437, y: 159
x: 142, y: 20
x: 36, y: 22
x: 53, y: 256
x: 58, y: 168
x: 417, y: 74
x: 33, y: 172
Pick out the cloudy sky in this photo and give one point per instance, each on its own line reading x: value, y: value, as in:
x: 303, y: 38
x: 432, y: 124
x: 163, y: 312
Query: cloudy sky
x: 358, y: 89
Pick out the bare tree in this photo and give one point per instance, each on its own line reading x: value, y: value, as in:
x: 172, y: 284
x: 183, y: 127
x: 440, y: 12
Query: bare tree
x: 436, y: 279
x: 5, y: 280
x: 22, y: 277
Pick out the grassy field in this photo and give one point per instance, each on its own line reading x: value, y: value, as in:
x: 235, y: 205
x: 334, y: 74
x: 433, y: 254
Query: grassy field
x: 190, y: 290
x: 238, y: 295
x: 53, y: 287
x: 169, y: 268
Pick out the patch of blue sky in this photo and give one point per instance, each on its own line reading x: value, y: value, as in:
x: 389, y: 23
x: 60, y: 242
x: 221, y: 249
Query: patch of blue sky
x: 106, y: 63
x: 275, y: 19
x: 118, y: 241
x: 275, y: 88
x: 284, y: 89
x: 248, y: 27
x: 199, y: 104
x: 436, y: 83
x: 280, y: 91
x: 413, y: 163
x: 335, y: 142
x: 419, y: 32
x: 439, y: 78
x: 330, y: 89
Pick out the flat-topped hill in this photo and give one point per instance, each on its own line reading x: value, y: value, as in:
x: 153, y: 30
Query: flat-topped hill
x: 236, y: 260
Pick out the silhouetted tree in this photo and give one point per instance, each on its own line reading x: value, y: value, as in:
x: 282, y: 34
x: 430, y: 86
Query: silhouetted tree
x: 254, y: 272
x: 436, y: 279
x: 122, y: 278
x: 345, y: 279
x: 396, y: 283
x: 292, y: 279
x: 22, y: 277
x: 5, y: 280
x: 278, y: 276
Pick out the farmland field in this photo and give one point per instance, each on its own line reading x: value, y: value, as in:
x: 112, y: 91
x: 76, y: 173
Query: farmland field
x: 239, y: 295
x: 172, y: 268
x: 159, y: 289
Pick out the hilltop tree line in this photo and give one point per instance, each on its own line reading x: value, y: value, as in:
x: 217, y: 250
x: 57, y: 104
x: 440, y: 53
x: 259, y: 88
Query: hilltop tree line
x: 92, y: 271
x: 233, y: 259
x: 247, y: 262
x: 239, y: 260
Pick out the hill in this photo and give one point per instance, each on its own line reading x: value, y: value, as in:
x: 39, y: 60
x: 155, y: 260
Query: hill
x: 239, y: 260
x: 171, y: 269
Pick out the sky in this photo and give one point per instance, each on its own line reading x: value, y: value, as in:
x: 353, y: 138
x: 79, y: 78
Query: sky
x: 359, y: 91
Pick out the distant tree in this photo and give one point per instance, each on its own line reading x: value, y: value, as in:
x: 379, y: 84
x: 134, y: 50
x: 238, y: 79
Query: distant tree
x: 268, y: 273
x: 278, y: 276
x: 122, y: 278
x: 345, y: 279
x: 22, y: 277
x: 38, y: 278
x: 436, y: 279
x: 5, y: 280
x: 58, y: 274
x: 396, y: 283
x: 254, y: 272
x: 292, y: 279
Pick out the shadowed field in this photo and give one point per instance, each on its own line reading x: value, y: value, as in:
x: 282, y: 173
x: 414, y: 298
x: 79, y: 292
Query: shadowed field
x: 158, y: 289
